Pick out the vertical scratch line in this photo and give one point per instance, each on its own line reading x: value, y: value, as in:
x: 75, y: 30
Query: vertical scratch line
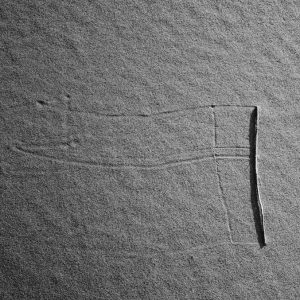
x: 259, y: 202
x: 66, y: 111
x: 215, y: 128
x: 221, y: 192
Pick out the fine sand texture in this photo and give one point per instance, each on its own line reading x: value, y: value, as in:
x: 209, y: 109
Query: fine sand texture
x: 149, y: 150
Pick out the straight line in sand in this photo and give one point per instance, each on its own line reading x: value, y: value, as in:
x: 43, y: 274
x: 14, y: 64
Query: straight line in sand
x: 220, y: 188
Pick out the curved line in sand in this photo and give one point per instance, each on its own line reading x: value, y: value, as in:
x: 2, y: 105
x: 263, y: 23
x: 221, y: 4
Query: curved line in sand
x: 158, y: 165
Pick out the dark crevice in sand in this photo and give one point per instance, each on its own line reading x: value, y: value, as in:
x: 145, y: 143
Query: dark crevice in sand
x: 42, y: 102
x: 255, y: 196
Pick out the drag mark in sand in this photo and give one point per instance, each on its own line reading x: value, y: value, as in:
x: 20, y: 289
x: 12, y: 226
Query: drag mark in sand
x: 215, y: 153
x: 35, y: 151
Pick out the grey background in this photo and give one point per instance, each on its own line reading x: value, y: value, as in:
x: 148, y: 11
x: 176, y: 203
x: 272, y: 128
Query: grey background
x: 133, y: 58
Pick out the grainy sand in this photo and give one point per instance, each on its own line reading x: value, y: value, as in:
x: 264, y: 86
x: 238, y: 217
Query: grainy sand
x: 149, y: 150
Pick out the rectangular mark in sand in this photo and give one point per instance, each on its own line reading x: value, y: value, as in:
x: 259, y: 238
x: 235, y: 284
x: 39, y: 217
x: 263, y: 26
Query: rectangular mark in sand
x: 236, y: 128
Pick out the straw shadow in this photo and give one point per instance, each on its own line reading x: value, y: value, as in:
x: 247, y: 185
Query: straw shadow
x: 255, y: 197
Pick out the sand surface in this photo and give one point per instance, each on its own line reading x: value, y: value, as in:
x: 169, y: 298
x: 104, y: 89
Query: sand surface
x: 149, y: 150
